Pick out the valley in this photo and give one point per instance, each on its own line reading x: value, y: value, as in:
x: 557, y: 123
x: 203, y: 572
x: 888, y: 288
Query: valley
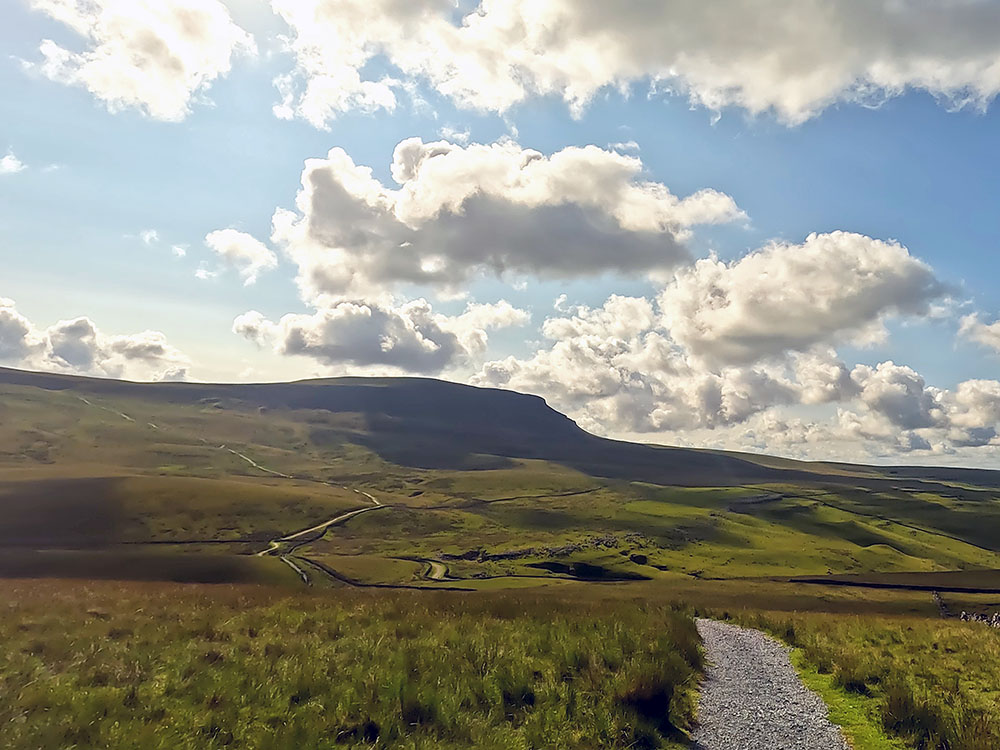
x: 336, y: 480
x: 441, y: 510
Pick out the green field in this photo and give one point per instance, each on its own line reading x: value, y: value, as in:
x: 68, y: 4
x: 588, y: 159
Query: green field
x: 213, y: 472
x: 927, y: 683
x: 125, y: 665
x: 567, y: 665
x: 403, y: 527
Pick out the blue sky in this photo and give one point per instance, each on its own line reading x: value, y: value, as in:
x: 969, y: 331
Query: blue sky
x: 913, y: 169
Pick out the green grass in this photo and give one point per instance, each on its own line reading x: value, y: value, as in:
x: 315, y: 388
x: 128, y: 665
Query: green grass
x: 531, y: 658
x: 855, y: 714
x: 197, y: 566
x: 952, y: 579
x: 932, y: 684
x: 89, y: 511
x: 374, y: 568
x: 159, y: 666
x: 122, y: 480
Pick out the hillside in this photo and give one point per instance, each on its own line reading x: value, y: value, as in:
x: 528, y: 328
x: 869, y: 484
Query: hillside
x: 418, y: 482
x: 429, y: 423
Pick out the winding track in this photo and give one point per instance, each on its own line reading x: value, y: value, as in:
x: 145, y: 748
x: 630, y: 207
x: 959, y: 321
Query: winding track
x: 752, y: 699
x: 284, y: 546
x: 438, y: 571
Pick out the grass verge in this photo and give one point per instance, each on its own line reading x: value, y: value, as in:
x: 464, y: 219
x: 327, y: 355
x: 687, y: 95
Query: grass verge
x: 931, y: 684
x: 855, y: 714
x: 124, y: 665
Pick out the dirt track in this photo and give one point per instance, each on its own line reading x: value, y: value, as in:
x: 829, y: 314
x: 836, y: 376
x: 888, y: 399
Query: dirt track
x: 752, y: 698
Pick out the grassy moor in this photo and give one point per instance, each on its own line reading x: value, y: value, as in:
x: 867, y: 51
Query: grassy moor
x: 413, y: 564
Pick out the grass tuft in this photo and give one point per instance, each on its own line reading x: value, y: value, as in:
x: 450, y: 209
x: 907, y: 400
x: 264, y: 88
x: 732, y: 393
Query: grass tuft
x: 223, y: 666
x: 933, y: 684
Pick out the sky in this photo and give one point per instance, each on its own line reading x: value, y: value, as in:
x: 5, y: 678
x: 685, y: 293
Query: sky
x: 749, y: 224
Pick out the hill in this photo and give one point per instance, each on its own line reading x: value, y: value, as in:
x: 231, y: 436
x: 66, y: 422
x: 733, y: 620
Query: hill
x: 427, y: 423
x: 419, y: 482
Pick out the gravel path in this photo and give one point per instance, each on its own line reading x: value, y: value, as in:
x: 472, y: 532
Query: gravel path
x: 752, y: 698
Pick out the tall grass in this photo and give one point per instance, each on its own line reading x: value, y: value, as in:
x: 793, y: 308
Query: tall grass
x: 116, y: 665
x: 934, y: 683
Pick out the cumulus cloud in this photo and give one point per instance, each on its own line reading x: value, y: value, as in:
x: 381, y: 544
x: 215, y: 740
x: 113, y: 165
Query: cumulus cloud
x: 899, y: 394
x: 497, y: 208
x: 985, y: 334
x: 724, y: 351
x: 793, y: 59
x: 78, y: 346
x: 821, y: 377
x: 631, y: 380
x: 615, y: 369
x: 896, y: 408
x: 17, y: 336
x: 10, y: 164
x: 248, y: 255
x: 792, y: 297
x: 410, y: 337
x: 152, y: 55
x: 973, y: 410
x: 359, y: 333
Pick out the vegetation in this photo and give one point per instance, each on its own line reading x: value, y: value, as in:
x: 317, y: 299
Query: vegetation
x: 855, y: 714
x: 567, y: 548
x: 934, y: 684
x: 118, y: 665
x: 492, y: 487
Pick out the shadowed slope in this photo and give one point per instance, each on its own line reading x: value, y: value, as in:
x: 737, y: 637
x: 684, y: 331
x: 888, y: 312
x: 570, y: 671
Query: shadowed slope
x: 428, y: 423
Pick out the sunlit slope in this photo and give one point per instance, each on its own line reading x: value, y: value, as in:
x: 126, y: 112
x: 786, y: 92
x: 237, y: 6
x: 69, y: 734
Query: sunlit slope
x: 484, y: 488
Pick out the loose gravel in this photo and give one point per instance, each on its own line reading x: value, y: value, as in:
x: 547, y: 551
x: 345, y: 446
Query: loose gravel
x: 752, y: 699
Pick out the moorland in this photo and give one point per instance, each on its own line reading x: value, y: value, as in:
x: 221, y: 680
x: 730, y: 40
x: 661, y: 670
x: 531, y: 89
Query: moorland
x: 219, y: 557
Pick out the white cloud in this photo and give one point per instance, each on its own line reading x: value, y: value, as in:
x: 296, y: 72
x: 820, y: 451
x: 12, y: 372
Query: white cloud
x: 498, y: 208
x: 78, y: 346
x: 359, y: 333
x: 203, y: 273
x: 248, y: 255
x: 625, y: 147
x: 149, y: 236
x: 821, y: 377
x: 454, y: 135
x: 614, y: 369
x: 471, y: 327
x: 10, y: 164
x: 899, y: 394
x: 985, y: 334
x: 410, y: 337
x: 18, y: 338
x: 973, y: 413
x: 152, y: 55
x: 492, y: 315
x: 640, y: 384
x: 897, y: 410
x: 790, y: 58
x: 792, y: 297
x: 723, y: 353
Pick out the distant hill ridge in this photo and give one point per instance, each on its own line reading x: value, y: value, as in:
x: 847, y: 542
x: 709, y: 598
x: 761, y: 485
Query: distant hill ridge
x: 438, y: 424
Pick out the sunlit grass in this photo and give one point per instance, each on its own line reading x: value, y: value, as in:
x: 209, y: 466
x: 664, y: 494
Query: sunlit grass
x: 934, y: 684
x: 158, y: 666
